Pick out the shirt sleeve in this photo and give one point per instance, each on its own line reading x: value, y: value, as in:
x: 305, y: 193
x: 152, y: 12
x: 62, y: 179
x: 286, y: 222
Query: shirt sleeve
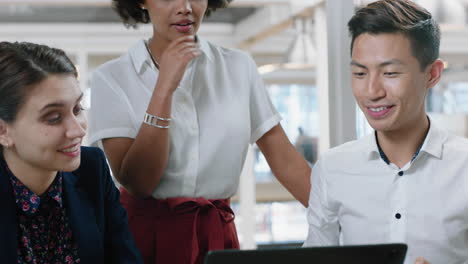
x: 263, y: 115
x: 111, y: 112
x: 323, y: 222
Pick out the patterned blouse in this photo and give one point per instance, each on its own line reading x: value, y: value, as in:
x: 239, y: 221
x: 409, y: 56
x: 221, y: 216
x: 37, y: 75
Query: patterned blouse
x: 44, y: 234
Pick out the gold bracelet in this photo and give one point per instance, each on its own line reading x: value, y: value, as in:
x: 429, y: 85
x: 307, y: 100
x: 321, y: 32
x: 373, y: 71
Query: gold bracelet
x: 152, y: 120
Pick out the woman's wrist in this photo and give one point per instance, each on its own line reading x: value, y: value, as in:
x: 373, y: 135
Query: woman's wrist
x: 160, y: 104
x: 164, y: 91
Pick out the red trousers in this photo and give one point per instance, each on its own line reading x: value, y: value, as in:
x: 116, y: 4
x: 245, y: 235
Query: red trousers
x: 179, y: 230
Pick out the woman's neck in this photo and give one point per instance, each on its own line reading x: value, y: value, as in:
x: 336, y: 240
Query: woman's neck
x: 157, y: 46
x: 37, y: 180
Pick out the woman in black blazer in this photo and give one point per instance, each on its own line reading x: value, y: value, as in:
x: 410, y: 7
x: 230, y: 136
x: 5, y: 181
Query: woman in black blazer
x: 58, y: 201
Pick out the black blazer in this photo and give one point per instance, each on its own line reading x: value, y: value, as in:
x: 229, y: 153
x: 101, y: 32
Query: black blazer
x: 97, y: 219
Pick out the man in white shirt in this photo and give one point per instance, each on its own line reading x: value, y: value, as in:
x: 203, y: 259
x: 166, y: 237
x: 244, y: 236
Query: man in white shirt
x: 408, y: 181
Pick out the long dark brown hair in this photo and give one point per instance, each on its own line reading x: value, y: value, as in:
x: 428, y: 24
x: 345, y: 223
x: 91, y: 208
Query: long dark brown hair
x: 22, y: 65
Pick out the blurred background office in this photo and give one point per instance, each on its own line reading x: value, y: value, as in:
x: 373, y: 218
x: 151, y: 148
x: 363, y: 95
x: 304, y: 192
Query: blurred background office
x: 301, y: 48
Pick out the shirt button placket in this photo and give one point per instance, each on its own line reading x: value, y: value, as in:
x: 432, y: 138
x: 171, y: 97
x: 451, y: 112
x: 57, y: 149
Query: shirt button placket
x: 398, y: 221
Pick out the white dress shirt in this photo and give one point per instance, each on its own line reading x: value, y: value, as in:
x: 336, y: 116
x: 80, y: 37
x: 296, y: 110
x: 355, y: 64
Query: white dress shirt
x: 220, y: 106
x: 357, y: 198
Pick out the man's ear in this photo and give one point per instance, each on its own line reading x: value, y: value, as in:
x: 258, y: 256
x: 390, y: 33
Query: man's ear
x: 435, y: 72
x: 5, y: 140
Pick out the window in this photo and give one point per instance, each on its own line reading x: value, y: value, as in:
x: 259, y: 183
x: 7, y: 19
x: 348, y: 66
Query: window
x: 279, y: 219
x: 297, y: 104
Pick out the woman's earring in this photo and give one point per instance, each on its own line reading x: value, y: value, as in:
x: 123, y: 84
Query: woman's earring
x: 143, y: 7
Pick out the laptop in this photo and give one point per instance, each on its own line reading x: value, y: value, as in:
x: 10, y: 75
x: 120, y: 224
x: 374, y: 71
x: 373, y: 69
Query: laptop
x: 356, y: 254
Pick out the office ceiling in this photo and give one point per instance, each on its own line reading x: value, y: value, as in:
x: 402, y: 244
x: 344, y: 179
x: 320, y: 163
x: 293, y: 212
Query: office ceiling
x: 262, y: 27
x: 24, y: 13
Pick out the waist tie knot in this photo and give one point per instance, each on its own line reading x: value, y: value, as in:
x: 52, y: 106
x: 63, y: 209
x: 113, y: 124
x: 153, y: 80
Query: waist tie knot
x: 208, y: 214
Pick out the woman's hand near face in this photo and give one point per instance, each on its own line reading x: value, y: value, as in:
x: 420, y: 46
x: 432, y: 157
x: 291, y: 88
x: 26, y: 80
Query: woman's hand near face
x: 138, y: 164
x: 173, y: 62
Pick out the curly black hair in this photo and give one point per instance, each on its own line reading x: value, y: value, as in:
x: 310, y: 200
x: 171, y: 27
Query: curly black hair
x: 132, y: 13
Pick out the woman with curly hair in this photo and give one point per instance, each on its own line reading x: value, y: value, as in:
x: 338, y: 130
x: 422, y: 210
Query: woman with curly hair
x: 175, y: 116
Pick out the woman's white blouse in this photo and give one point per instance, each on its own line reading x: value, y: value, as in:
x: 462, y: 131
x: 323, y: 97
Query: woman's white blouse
x: 220, y: 106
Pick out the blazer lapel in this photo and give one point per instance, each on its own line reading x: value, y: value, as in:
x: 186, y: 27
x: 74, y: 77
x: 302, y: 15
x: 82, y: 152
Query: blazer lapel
x: 8, y: 220
x: 82, y: 220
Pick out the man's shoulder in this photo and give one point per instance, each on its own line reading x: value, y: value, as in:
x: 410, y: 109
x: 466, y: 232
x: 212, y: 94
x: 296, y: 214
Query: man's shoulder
x: 346, y: 157
x: 349, y: 149
x: 456, y: 144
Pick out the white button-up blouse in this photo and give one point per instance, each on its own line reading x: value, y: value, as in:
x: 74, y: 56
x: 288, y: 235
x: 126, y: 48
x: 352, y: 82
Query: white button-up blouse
x: 220, y: 106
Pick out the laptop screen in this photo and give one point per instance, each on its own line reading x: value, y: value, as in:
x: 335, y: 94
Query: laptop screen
x: 356, y: 254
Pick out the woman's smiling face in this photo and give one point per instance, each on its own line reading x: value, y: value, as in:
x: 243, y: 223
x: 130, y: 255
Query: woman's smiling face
x: 49, y: 127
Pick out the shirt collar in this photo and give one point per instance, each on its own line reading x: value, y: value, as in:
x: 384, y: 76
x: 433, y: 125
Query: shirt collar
x: 29, y: 202
x: 141, y: 58
x: 432, y: 144
x: 435, y: 139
